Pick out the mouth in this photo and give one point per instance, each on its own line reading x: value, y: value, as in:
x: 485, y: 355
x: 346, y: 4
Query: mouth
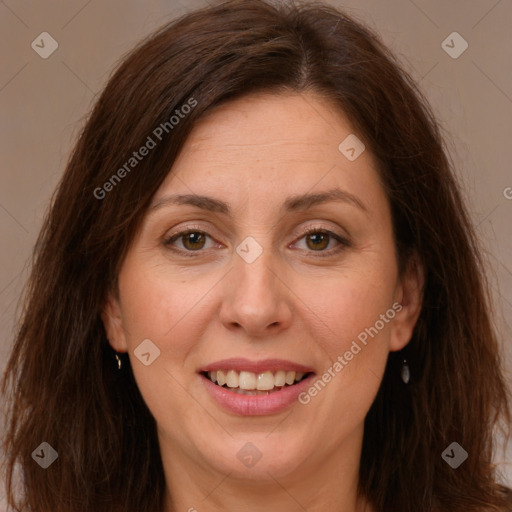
x: 252, y: 383
x: 247, y: 387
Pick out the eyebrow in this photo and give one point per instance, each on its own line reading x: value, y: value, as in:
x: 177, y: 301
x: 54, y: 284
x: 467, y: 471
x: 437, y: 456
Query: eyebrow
x: 295, y: 203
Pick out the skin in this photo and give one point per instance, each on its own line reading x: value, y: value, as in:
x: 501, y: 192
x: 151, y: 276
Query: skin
x: 290, y: 303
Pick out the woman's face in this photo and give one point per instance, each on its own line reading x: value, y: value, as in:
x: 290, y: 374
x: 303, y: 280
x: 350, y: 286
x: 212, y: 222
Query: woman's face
x: 248, y: 285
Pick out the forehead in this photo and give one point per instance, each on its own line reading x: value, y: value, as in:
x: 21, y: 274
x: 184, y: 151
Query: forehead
x: 294, y: 126
x: 254, y: 148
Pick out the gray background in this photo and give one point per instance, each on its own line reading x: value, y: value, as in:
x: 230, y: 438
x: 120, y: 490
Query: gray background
x: 43, y: 103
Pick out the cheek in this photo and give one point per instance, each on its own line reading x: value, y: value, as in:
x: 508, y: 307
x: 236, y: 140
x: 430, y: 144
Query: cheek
x: 354, y: 330
x: 345, y: 305
x: 351, y: 315
x: 354, y: 339
x: 160, y: 306
x: 166, y: 310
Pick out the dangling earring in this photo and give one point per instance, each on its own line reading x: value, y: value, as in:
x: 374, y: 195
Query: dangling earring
x: 405, y: 372
x: 119, y: 364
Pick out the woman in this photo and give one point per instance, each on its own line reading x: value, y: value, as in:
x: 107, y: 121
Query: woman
x: 257, y: 288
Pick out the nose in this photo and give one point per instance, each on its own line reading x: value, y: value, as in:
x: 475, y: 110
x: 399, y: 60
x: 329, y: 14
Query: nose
x: 256, y: 297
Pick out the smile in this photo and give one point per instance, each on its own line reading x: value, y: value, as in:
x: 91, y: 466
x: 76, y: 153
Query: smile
x: 250, y: 383
x: 251, y: 388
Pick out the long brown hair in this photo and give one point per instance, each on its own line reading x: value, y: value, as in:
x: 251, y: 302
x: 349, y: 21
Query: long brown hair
x: 61, y: 383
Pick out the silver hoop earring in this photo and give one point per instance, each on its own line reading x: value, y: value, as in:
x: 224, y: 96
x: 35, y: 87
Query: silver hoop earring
x: 119, y: 364
x: 405, y: 372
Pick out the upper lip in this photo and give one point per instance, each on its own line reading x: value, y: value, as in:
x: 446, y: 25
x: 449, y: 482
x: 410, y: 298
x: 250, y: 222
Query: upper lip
x: 240, y: 364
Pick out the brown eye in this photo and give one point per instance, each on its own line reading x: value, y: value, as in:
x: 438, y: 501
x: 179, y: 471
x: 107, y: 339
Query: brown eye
x: 317, y: 241
x: 193, y: 241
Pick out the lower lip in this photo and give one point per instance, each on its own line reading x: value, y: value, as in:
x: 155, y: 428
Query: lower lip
x: 256, y: 405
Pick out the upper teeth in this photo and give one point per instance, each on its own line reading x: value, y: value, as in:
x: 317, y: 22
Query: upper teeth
x: 249, y: 380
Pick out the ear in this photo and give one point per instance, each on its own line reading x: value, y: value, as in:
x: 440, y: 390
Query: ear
x: 409, y: 293
x: 113, y: 322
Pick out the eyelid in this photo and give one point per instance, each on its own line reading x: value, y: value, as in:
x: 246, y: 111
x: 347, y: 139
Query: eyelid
x: 182, y: 231
x: 327, y: 229
x: 343, y: 241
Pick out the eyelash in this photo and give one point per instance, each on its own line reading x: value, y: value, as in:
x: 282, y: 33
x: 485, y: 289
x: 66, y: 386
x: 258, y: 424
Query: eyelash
x: 343, y: 242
